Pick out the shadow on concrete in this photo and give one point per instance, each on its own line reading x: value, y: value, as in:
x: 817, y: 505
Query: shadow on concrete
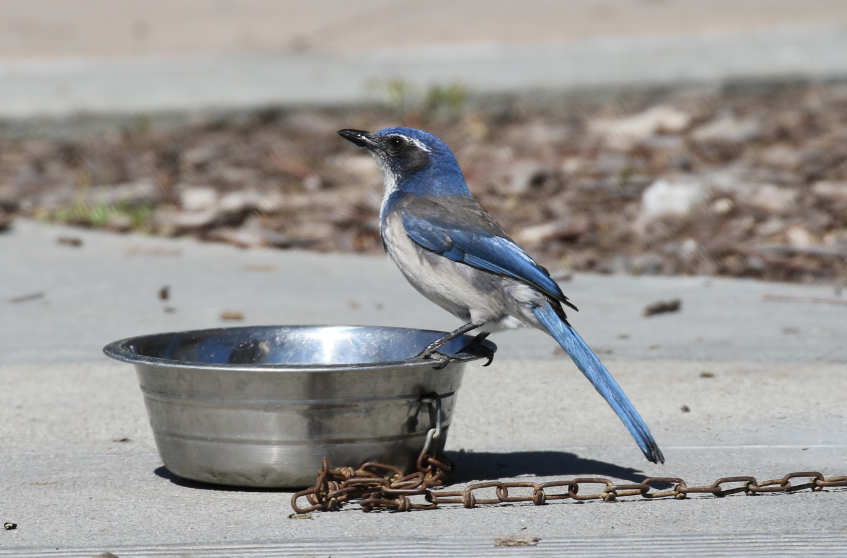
x: 164, y: 473
x: 494, y: 466
x: 481, y: 466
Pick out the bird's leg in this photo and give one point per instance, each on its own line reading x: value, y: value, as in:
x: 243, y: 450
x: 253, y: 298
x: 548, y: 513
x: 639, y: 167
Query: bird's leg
x: 430, y: 351
x: 476, y: 343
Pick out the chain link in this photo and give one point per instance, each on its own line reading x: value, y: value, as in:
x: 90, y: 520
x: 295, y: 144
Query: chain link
x: 378, y: 486
x: 393, y: 490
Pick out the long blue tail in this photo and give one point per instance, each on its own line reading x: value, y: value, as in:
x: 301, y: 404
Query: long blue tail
x: 600, y: 378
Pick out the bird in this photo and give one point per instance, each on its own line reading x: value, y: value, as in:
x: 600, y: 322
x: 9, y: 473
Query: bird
x: 455, y: 254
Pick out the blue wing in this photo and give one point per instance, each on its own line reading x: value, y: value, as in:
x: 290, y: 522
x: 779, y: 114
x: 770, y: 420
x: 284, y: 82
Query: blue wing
x: 458, y: 228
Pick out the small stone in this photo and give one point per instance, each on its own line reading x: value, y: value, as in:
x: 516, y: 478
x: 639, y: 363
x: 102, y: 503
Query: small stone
x: 312, y: 182
x: 623, y: 133
x: 663, y: 307
x: 770, y: 227
x: 237, y: 202
x: 671, y: 198
x: 830, y: 191
x: 728, y: 129
x: 194, y: 220
x: 781, y: 156
x: 836, y: 238
x: 555, y: 230
x: 516, y: 541
x: 706, y: 375
x: 271, y: 203
x: 688, y: 248
x: 773, y: 199
x: 722, y: 206
x: 119, y: 222
x: 685, y: 409
x: 198, y: 198
x: 573, y: 165
x: 69, y: 241
x: 199, y: 156
x: 799, y: 236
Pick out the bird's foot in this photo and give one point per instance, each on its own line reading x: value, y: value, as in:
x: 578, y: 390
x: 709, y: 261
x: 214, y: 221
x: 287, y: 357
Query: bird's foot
x: 477, y: 346
x: 440, y: 360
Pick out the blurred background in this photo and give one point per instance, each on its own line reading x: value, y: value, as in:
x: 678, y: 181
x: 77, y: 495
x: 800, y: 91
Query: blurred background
x: 686, y: 137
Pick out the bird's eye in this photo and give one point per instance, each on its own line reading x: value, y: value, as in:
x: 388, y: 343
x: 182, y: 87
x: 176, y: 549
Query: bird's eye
x: 396, y: 143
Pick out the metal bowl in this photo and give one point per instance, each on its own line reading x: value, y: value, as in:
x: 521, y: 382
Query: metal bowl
x: 260, y: 406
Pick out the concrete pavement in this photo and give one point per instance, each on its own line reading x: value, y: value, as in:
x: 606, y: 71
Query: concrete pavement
x: 81, y: 474
x: 59, y: 59
x: 107, y: 289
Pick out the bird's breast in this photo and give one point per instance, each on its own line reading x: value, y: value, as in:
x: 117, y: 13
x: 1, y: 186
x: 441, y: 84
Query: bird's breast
x: 463, y: 291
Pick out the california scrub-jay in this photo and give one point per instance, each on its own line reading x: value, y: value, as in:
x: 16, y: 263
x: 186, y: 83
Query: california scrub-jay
x: 454, y: 253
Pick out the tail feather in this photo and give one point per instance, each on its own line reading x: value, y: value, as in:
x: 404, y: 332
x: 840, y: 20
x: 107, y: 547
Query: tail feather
x: 600, y: 378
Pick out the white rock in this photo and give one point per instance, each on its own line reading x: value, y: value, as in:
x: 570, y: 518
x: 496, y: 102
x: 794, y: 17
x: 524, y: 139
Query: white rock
x: 271, y: 203
x: 773, y: 199
x: 722, y: 206
x: 563, y: 228
x: 312, y: 182
x: 830, y: 191
x: 622, y: 133
x: 800, y: 237
x: 836, y: 238
x: 236, y: 202
x: 772, y: 226
x: 728, y: 129
x: 688, y: 248
x: 198, y: 198
x: 781, y: 156
x: 573, y: 165
x: 671, y: 198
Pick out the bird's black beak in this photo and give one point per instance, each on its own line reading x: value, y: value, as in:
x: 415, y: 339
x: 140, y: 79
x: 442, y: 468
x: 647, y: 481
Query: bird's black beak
x: 360, y: 138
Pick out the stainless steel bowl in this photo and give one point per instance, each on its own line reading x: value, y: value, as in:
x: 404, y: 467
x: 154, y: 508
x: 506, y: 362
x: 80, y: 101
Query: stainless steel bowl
x: 260, y: 406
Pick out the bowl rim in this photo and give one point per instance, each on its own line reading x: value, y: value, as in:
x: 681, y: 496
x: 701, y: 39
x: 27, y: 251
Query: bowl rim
x: 118, y: 351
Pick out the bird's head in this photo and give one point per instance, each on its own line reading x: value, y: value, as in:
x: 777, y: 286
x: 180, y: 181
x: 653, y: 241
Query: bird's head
x: 412, y: 160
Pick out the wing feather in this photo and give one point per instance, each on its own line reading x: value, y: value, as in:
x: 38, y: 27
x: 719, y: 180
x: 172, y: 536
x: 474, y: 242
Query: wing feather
x: 459, y: 228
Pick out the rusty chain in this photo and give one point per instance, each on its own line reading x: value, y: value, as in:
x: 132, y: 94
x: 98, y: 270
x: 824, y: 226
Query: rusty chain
x: 374, y: 491
x: 378, y: 486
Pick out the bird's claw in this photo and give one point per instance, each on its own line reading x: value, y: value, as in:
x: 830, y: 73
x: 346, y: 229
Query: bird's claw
x: 488, y: 353
x: 476, y: 345
x: 440, y: 360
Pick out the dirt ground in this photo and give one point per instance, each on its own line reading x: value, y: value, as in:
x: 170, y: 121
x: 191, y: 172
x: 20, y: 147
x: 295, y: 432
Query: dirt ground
x: 745, y: 181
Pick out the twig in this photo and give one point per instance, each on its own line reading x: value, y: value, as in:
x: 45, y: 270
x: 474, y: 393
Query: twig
x: 25, y: 298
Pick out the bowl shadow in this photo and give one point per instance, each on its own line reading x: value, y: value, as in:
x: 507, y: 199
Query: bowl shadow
x: 483, y: 466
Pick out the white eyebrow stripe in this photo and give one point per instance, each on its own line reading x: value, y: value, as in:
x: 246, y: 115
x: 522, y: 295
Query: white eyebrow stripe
x: 418, y: 143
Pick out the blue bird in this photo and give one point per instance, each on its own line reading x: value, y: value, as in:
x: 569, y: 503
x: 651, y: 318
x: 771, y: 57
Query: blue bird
x: 456, y: 255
